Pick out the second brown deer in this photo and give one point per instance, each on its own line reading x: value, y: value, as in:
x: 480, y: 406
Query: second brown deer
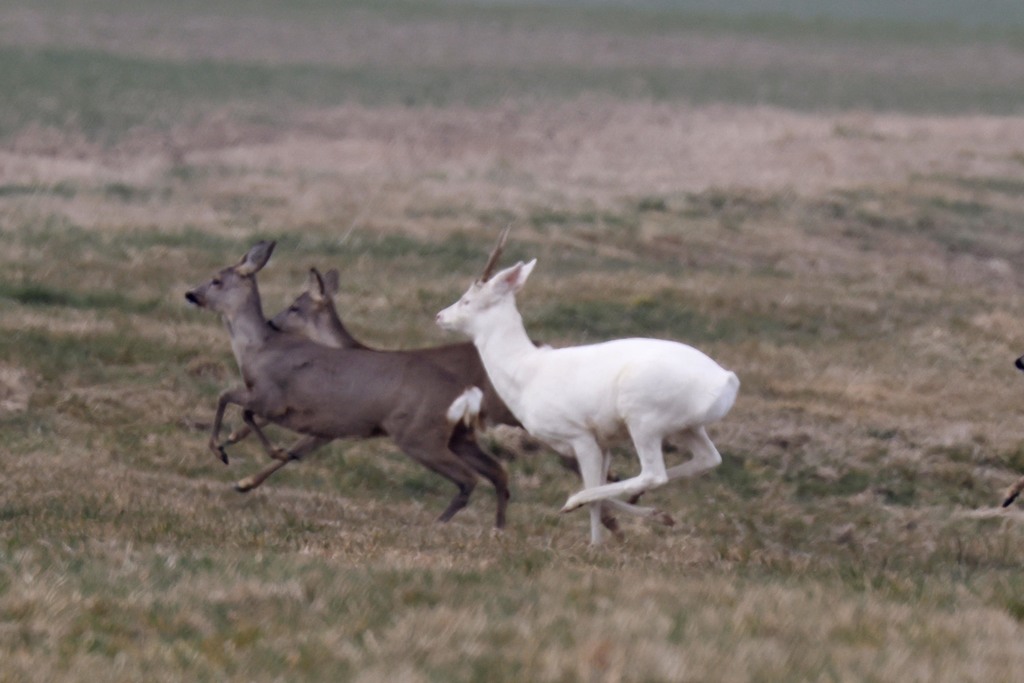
x: 327, y: 393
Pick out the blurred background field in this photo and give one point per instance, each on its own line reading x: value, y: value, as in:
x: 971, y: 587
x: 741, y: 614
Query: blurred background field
x: 826, y: 197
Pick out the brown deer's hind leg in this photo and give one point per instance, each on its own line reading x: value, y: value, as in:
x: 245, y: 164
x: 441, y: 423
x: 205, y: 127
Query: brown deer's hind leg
x: 299, y: 450
x: 463, y: 445
x: 437, y: 458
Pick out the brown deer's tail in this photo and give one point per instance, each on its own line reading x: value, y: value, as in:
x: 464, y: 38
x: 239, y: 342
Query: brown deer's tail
x: 466, y: 408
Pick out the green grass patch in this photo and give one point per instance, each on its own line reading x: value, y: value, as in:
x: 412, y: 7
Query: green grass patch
x: 662, y: 315
x: 62, y: 190
x: 105, y: 95
x: 36, y: 294
x: 91, y: 356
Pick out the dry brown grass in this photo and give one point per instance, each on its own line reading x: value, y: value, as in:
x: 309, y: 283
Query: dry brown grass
x: 859, y: 270
x: 851, y: 533
x: 393, y: 162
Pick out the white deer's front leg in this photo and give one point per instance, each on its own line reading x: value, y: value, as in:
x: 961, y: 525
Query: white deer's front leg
x: 590, y: 459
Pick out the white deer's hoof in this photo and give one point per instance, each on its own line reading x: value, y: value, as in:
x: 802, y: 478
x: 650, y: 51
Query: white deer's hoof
x: 572, y: 504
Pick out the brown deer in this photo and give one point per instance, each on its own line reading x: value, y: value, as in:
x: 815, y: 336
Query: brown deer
x: 327, y: 393
x: 1015, y: 490
x: 313, y: 314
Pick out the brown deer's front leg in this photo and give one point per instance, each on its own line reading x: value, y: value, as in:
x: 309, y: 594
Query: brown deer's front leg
x: 299, y: 449
x: 237, y: 396
x: 273, y: 451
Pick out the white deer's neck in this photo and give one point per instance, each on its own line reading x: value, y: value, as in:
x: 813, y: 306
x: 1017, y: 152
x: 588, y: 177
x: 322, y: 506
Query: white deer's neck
x: 505, y: 349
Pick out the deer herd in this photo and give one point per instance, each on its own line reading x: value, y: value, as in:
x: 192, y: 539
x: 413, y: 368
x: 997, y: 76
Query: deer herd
x: 304, y: 371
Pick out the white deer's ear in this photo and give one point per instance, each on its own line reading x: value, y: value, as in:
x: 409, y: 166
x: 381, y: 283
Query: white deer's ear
x: 512, y: 279
x: 256, y: 258
x: 525, y: 272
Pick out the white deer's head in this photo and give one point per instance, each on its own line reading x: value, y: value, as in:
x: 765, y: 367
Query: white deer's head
x: 488, y: 296
x: 484, y: 298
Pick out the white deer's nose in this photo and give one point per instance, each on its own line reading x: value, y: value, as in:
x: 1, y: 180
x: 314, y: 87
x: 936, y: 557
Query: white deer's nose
x: 442, y: 320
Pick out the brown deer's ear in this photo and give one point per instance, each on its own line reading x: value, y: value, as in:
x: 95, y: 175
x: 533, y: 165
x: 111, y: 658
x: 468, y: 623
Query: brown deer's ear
x: 331, y: 280
x: 257, y: 257
x: 316, y: 288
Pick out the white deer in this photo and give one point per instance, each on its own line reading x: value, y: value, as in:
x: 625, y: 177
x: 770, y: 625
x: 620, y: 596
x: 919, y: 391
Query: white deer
x: 579, y: 398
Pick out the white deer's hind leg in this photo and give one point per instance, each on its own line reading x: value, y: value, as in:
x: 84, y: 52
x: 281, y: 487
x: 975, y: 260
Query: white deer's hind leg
x: 622, y: 506
x: 652, y: 474
x: 705, y: 455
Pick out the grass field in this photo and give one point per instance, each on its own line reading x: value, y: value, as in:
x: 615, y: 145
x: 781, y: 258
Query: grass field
x: 832, y: 206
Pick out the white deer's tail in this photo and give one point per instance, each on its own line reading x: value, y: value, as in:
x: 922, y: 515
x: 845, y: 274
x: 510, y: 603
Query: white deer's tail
x: 723, y: 404
x: 466, y: 408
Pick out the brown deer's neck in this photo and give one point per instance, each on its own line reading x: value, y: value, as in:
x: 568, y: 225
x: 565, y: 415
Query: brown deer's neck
x: 338, y: 334
x: 248, y: 329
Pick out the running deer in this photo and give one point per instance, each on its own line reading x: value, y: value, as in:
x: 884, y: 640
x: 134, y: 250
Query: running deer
x: 576, y: 399
x: 325, y: 393
x: 313, y: 314
x: 1016, y: 489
